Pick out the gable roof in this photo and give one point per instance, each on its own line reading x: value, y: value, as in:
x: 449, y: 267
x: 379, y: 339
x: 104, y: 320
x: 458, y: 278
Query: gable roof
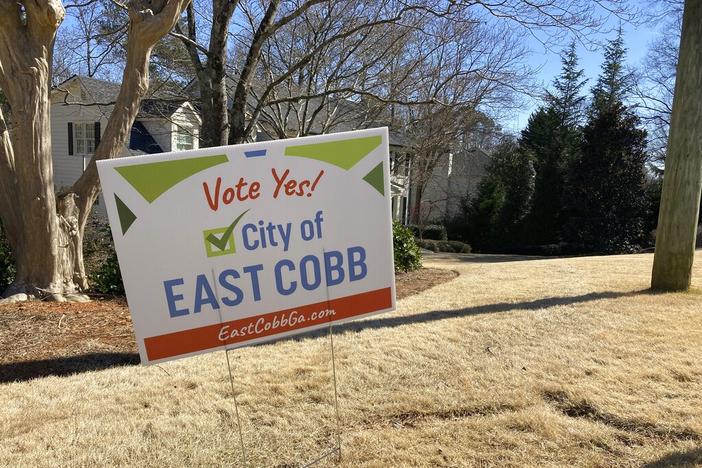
x: 102, y: 92
x: 141, y: 140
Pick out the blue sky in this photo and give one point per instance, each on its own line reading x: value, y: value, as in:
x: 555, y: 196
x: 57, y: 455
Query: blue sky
x: 636, y: 38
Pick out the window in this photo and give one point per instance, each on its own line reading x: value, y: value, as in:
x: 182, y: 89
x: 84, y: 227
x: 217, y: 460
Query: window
x: 84, y: 138
x: 184, y: 139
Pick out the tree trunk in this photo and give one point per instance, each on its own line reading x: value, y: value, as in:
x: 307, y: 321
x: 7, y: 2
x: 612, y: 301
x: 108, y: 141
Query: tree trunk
x: 45, y: 231
x: 215, y: 124
x: 682, y: 181
x: 211, y: 76
x: 35, y: 234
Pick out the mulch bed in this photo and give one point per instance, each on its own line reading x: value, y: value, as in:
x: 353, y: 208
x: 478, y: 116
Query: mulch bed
x: 38, y: 339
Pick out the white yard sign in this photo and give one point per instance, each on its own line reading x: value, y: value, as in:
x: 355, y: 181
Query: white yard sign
x: 230, y: 246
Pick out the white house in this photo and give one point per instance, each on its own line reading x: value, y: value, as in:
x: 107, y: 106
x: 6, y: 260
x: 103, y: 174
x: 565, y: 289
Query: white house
x: 80, y: 108
x: 453, y: 180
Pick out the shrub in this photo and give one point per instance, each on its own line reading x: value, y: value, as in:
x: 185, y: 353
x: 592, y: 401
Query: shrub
x: 107, y: 278
x: 407, y: 255
x: 7, y: 264
x: 428, y: 245
x: 416, y: 230
x: 460, y: 247
x: 434, y: 232
x: 444, y: 246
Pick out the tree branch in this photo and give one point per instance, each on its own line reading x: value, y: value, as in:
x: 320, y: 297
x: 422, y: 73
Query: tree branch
x: 146, y: 27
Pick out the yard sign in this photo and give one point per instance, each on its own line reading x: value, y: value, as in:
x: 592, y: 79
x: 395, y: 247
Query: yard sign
x: 230, y: 246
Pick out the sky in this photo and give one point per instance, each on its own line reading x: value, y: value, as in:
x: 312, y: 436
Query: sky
x: 636, y: 40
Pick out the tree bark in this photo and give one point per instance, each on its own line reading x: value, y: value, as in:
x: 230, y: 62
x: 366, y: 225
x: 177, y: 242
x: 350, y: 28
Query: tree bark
x: 45, y: 231
x: 211, y: 76
x: 682, y: 180
x: 25, y: 73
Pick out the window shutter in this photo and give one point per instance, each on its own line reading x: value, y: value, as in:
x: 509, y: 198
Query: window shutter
x: 70, y: 138
x: 97, y: 134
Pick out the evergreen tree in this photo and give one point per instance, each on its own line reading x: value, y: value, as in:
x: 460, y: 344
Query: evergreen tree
x: 497, y: 213
x: 606, y: 199
x: 553, y: 137
x: 567, y: 100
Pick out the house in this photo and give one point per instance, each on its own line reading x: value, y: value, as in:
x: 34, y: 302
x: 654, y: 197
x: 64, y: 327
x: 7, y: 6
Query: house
x: 80, y: 108
x: 316, y: 116
x: 453, y: 180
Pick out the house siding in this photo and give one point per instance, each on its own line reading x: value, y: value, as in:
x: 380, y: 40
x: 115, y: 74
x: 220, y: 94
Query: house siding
x: 454, y: 180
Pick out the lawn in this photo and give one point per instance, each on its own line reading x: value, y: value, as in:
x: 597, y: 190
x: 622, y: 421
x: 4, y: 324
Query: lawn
x: 517, y: 361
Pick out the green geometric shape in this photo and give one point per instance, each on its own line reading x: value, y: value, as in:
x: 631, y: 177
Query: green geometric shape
x: 376, y: 178
x: 226, y: 248
x: 342, y: 153
x: 151, y: 180
x: 126, y: 216
x: 222, y: 239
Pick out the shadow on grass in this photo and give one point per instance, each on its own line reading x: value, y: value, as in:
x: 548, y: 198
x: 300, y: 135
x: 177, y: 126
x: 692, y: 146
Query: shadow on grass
x: 480, y: 258
x: 691, y: 457
x: 62, y: 366
x: 389, y: 320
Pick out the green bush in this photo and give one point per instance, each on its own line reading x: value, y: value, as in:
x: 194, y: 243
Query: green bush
x: 459, y: 247
x: 107, y: 278
x: 416, y: 230
x: 444, y: 246
x: 7, y: 264
x: 407, y: 255
x: 434, y: 232
x: 428, y: 245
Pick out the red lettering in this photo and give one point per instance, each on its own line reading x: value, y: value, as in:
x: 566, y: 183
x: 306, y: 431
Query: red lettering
x: 254, y: 190
x: 279, y: 181
x: 241, y: 191
x: 290, y: 187
x: 214, y: 203
x: 301, y: 188
x: 228, y: 196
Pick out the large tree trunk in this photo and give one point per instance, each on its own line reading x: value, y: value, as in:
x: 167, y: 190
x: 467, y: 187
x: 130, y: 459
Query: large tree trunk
x: 46, y: 232
x: 682, y: 181
x: 34, y: 231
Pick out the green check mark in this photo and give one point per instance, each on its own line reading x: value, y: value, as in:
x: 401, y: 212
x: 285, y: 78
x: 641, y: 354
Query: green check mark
x: 223, y: 241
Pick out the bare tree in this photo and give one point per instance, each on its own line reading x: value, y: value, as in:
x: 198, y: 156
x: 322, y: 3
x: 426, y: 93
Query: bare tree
x: 45, y: 231
x: 655, y: 80
x: 682, y: 181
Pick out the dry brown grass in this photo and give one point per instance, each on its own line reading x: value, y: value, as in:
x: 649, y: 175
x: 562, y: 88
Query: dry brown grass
x: 526, y: 362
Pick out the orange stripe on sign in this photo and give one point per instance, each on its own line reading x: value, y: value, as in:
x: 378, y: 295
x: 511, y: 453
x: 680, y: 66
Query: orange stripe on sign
x: 208, y: 337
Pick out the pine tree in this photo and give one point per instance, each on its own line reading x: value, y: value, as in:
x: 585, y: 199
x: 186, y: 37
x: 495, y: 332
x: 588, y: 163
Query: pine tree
x: 567, y: 100
x: 496, y: 215
x: 553, y: 136
x: 605, y: 195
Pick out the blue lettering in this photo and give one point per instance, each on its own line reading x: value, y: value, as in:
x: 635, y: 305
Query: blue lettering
x: 203, y: 286
x: 245, y: 237
x: 359, y: 262
x: 279, y: 279
x: 337, y: 267
x: 238, y: 295
x: 172, y: 298
x: 315, y: 272
x: 253, y: 271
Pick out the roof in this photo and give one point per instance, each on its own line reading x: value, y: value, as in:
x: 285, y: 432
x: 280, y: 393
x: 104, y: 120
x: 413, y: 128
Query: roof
x: 159, y: 104
x: 141, y: 140
x: 160, y: 107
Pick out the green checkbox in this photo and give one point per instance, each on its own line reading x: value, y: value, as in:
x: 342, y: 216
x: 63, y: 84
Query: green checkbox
x: 220, y: 241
